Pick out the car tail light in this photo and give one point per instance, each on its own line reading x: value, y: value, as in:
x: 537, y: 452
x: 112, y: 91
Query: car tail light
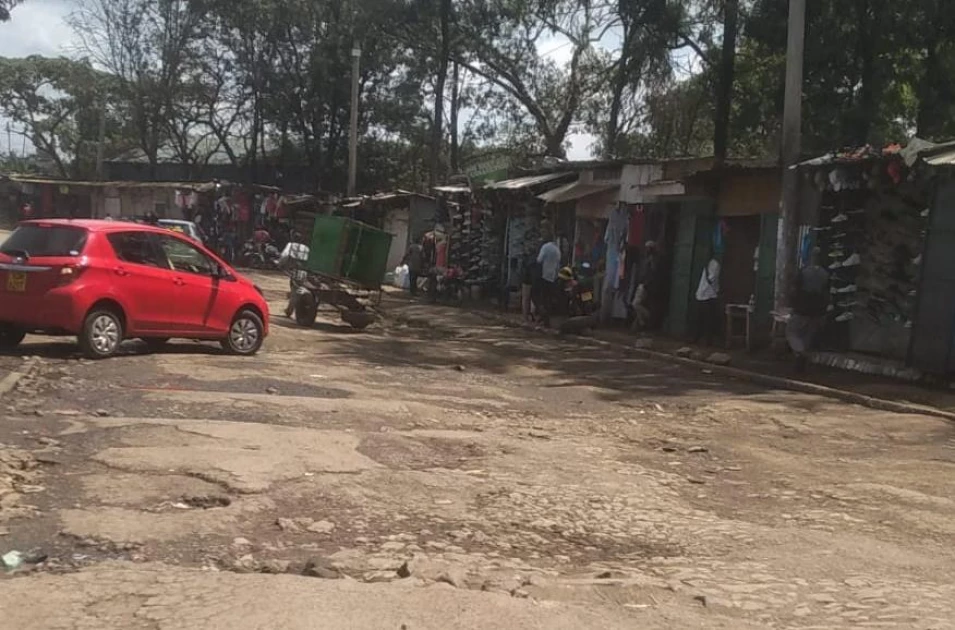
x: 69, y: 273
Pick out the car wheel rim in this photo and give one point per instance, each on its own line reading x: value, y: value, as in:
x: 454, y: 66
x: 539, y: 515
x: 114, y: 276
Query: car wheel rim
x: 245, y: 334
x: 105, y: 334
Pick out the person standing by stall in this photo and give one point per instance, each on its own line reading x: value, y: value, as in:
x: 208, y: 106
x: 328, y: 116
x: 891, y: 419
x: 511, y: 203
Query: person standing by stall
x: 810, y: 304
x: 414, y: 258
x: 708, y: 301
x: 549, y: 260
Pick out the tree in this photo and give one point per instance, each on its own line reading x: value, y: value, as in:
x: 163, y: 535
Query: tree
x: 6, y: 6
x: 499, y: 42
x: 56, y: 103
x: 146, y: 45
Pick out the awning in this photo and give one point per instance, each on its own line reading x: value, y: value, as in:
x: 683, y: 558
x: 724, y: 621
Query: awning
x: 656, y: 191
x: 528, y: 182
x: 574, y: 191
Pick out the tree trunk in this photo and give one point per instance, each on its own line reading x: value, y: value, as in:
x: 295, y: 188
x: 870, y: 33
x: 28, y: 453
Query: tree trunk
x: 554, y: 143
x: 926, y: 122
x: 438, y: 123
x: 867, y: 107
x: 455, y: 105
x: 618, y: 85
x: 613, y: 118
x: 724, y: 90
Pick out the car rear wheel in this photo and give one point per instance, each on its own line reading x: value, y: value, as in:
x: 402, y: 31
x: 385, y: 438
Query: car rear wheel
x: 245, y: 335
x: 10, y: 337
x: 102, y: 333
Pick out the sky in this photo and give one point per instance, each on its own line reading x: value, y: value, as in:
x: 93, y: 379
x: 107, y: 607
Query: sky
x: 38, y: 27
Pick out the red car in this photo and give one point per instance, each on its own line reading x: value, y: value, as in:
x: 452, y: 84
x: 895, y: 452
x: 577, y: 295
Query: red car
x: 106, y: 281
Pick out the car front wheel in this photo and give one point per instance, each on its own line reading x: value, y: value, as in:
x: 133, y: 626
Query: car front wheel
x: 245, y: 335
x: 102, y: 333
x: 10, y: 337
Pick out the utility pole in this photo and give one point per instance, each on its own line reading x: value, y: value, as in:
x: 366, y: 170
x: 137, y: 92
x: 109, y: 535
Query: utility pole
x: 788, y: 231
x: 353, y: 127
x: 100, y: 141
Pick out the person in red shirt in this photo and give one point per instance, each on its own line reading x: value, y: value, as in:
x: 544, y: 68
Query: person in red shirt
x: 261, y: 237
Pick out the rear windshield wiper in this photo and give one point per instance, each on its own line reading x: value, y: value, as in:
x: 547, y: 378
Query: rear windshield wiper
x: 17, y: 253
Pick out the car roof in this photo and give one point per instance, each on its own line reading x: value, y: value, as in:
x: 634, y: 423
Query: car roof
x: 98, y: 225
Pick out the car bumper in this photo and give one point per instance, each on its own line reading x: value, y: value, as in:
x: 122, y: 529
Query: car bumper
x: 53, y: 311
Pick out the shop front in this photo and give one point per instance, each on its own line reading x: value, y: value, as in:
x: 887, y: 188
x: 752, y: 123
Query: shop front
x: 871, y: 227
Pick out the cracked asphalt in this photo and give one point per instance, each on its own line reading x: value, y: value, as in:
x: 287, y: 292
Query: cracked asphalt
x: 448, y: 473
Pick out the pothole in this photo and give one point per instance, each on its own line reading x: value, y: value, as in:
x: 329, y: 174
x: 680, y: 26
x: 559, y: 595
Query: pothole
x: 206, y: 502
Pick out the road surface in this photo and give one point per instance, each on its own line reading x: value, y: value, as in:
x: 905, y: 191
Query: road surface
x: 459, y: 475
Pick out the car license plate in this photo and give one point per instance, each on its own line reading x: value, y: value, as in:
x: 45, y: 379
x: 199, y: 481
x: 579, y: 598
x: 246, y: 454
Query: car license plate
x: 16, y: 282
x: 587, y: 297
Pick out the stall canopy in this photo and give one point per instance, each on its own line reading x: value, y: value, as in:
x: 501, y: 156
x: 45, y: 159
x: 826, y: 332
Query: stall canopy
x: 575, y: 191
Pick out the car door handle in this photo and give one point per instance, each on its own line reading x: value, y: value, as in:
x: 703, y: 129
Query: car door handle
x: 121, y: 272
x: 179, y: 282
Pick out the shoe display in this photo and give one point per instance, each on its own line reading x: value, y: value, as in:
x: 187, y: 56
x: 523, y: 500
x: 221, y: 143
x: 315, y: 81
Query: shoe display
x: 852, y: 261
x: 840, y: 218
x: 847, y: 289
x: 846, y: 317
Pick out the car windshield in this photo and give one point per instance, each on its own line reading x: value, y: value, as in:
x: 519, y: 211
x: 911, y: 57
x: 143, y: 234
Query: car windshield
x: 45, y: 240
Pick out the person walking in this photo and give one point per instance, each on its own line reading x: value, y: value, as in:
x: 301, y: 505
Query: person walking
x: 708, y: 302
x: 810, y: 304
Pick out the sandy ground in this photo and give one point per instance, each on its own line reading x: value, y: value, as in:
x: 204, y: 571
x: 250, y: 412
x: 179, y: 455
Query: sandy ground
x: 459, y: 475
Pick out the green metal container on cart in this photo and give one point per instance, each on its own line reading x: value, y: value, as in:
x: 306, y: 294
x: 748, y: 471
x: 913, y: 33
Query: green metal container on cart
x: 349, y: 250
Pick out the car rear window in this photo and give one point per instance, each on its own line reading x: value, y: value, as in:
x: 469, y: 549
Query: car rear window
x: 45, y: 240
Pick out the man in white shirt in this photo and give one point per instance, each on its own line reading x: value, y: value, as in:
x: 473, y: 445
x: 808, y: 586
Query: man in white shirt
x: 293, y: 260
x: 549, y: 261
x: 708, y: 299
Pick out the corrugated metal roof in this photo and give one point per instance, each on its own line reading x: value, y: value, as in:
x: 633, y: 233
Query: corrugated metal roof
x: 853, y: 155
x: 575, y: 190
x: 946, y: 158
x: 199, y: 186
x: 452, y: 189
x: 528, y: 182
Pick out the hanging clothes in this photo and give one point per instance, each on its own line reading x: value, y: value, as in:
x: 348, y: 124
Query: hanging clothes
x: 638, y: 220
x: 618, y: 227
x: 244, y: 207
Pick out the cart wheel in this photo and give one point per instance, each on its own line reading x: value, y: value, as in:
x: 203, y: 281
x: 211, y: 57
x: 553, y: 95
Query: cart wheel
x: 359, y: 320
x: 306, y: 310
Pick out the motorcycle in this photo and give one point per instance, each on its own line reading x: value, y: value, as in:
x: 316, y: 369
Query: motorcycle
x: 255, y: 256
x: 578, y: 288
x: 447, y: 286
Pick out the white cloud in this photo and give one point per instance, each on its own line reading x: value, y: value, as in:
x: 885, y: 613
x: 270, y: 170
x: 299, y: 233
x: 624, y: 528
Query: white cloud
x: 38, y: 27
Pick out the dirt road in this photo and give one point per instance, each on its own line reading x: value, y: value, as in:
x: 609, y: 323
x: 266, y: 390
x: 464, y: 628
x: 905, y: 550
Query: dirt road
x: 460, y: 475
